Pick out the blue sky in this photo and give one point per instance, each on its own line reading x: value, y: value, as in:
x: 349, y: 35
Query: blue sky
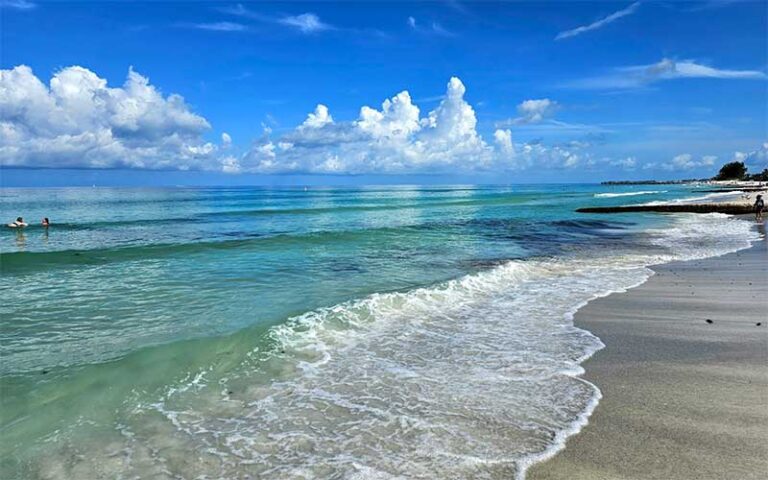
x: 509, y: 92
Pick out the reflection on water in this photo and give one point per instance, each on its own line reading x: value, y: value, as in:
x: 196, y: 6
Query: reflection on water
x: 21, y: 239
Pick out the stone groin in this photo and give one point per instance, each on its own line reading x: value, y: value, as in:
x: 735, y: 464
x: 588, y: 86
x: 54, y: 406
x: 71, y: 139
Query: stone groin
x: 729, y: 208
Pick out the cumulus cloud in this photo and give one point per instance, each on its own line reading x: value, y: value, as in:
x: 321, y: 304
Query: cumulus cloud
x: 666, y: 69
x: 79, y: 121
x: 319, y: 118
x: 226, y: 140
x: 394, y: 138
x: 686, y: 161
x: 628, y: 163
x: 532, y: 111
x: 599, y: 23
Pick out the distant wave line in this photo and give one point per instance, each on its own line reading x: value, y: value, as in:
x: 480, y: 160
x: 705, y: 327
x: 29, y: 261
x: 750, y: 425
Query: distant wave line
x: 628, y: 194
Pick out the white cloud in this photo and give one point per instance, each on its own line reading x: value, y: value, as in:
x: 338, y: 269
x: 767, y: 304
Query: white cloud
x: 504, y: 141
x: 18, y: 4
x: 229, y: 164
x: 686, y: 161
x: 756, y: 159
x: 536, y: 154
x: 683, y: 161
x: 392, y: 139
x: 666, y: 69
x: 398, y: 118
x: 319, y: 118
x: 599, y: 23
x: 433, y: 29
x: 628, y: 163
x: 78, y: 121
x: 220, y: 26
x: 533, y: 111
x: 306, y: 23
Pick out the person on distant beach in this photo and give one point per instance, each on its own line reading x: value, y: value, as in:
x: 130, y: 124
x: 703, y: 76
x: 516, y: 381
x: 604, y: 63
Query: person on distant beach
x: 759, y: 207
x: 46, y: 222
x: 19, y: 223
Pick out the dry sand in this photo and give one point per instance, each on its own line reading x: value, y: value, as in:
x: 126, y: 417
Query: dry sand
x: 682, y: 398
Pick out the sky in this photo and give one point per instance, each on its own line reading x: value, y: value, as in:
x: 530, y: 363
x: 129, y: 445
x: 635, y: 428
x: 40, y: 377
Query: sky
x: 152, y: 93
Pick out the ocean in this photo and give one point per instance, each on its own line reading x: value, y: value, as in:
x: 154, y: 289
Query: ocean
x: 308, y: 332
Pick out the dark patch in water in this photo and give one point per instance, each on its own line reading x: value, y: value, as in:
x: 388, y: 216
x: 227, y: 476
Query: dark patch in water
x: 346, y: 267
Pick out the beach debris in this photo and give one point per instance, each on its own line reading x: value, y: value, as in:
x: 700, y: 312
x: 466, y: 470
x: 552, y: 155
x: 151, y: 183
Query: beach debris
x: 709, y: 321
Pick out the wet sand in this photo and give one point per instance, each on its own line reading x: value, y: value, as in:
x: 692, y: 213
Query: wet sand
x: 682, y: 398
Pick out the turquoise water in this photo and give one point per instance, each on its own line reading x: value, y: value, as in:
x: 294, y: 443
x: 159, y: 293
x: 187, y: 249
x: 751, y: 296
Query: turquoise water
x: 318, y: 332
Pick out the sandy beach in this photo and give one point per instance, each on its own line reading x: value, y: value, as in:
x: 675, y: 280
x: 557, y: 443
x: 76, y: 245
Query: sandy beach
x: 683, y: 398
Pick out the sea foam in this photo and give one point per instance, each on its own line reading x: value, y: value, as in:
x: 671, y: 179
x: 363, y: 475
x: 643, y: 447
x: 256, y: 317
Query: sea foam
x: 628, y: 194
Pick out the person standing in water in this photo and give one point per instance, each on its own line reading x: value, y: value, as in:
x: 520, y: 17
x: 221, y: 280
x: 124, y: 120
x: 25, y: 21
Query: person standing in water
x: 759, y: 207
x: 19, y: 223
x: 46, y: 223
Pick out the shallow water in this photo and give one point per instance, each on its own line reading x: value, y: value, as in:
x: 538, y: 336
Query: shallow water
x: 416, y: 332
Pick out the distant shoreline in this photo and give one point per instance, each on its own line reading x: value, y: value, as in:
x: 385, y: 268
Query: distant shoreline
x: 705, y: 181
x: 652, y: 182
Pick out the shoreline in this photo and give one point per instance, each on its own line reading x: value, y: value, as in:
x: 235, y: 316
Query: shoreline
x: 652, y: 334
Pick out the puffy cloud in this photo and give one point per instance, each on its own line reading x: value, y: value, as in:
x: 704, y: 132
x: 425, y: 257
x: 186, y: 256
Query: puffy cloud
x: 628, y: 163
x: 599, y: 23
x: 666, y: 69
x: 504, y: 141
x: 392, y: 139
x: 537, y: 154
x: 534, y: 111
x: 757, y: 159
x: 686, y: 161
x: 229, y: 164
x: 78, y: 121
x: 398, y: 117
x: 319, y: 118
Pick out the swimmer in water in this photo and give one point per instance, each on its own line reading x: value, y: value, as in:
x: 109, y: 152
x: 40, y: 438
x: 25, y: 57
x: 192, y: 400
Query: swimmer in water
x: 19, y: 223
x: 46, y: 222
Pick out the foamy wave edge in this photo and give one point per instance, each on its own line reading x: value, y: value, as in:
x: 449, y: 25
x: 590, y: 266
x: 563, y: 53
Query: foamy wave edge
x: 582, y: 420
x: 628, y: 194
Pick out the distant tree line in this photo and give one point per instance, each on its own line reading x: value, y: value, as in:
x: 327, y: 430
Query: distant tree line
x: 729, y: 171
x: 738, y: 171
